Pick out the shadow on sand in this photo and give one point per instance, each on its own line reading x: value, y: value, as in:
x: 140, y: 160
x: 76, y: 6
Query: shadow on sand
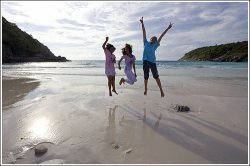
x: 196, y: 140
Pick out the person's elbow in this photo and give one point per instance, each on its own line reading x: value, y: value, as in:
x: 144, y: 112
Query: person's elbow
x: 159, y: 40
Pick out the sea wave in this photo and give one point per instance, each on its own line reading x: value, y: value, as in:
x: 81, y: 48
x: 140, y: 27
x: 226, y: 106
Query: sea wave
x: 101, y: 64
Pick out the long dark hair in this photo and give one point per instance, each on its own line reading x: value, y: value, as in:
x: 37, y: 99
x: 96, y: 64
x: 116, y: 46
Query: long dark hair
x: 123, y: 51
x: 109, y: 46
x: 129, y: 48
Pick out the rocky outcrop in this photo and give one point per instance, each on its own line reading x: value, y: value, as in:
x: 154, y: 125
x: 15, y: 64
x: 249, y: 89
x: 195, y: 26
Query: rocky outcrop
x: 18, y: 46
x: 232, y: 52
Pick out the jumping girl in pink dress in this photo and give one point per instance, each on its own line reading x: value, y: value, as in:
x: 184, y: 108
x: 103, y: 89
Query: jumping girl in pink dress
x: 109, y: 65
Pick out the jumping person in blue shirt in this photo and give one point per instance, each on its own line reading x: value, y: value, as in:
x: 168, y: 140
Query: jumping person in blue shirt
x: 149, y: 60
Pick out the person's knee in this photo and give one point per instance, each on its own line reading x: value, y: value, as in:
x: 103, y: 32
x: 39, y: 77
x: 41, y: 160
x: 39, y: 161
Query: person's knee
x: 110, y: 79
x: 155, y: 76
x: 146, y: 75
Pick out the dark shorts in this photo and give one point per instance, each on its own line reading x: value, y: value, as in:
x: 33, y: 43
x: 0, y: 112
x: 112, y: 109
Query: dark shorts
x: 152, y: 66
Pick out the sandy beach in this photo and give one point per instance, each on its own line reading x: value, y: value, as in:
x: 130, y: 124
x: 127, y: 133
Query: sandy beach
x: 60, y: 61
x: 14, y: 90
x: 78, y: 122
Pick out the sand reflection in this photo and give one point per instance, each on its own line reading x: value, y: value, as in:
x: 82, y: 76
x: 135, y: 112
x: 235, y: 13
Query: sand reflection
x: 111, y: 129
x: 40, y: 127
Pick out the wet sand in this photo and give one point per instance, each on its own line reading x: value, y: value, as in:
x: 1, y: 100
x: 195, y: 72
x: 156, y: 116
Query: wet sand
x: 15, y: 89
x: 80, y: 124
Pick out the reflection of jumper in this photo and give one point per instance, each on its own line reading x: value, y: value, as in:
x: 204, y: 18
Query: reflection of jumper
x: 109, y: 64
x: 128, y: 69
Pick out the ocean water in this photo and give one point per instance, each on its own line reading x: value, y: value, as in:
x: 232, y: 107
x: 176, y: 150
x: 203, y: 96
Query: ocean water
x: 96, y: 67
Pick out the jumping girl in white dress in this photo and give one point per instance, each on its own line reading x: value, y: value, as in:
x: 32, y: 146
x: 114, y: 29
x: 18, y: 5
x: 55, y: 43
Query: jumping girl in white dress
x: 129, y: 62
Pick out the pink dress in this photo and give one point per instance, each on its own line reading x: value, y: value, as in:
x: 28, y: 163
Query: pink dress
x: 131, y: 79
x: 109, y: 64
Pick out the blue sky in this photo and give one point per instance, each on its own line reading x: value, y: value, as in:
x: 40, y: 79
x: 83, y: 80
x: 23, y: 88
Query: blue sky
x: 77, y: 29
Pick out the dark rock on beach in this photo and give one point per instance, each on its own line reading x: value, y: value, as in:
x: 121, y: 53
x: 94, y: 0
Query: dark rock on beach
x: 181, y: 108
x: 40, y: 149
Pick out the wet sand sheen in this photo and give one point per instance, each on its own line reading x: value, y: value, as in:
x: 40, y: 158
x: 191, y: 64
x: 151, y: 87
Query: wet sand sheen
x: 85, y: 125
x: 15, y: 90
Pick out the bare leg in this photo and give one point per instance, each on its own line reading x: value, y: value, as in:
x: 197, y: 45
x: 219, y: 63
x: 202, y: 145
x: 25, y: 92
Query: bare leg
x: 109, y: 84
x: 113, y: 85
x: 146, y: 87
x: 159, y: 84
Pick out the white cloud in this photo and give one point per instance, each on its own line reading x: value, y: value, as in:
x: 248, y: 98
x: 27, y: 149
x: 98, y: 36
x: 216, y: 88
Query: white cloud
x: 77, y: 29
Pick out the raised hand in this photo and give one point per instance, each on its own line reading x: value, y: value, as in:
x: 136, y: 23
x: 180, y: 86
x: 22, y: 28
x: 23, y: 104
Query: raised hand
x: 105, y: 42
x: 143, y: 30
x: 141, y: 20
x: 170, y: 25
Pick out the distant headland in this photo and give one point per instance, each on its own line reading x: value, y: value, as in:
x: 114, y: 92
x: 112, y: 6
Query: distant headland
x: 18, y: 46
x: 232, y: 52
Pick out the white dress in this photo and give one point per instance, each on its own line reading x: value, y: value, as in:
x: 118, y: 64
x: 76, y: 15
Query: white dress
x: 131, y: 79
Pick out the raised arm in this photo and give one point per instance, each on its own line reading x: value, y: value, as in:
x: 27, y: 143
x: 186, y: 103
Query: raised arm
x: 170, y: 26
x: 104, y: 44
x: 143, y: 30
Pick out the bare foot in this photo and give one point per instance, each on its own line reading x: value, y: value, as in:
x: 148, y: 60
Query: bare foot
x: 145, y: 93
x: 114, y: 91
x: 162, y: 94
x: 110, y: 94
x: 122, y: 81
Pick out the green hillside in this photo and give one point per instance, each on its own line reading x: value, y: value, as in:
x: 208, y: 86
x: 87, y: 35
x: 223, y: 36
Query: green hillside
x: 18, y: 46
x: 232, y: 52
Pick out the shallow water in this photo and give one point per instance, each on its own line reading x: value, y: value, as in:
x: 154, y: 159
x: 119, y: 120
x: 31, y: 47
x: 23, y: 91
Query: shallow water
x: 96, y: 68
